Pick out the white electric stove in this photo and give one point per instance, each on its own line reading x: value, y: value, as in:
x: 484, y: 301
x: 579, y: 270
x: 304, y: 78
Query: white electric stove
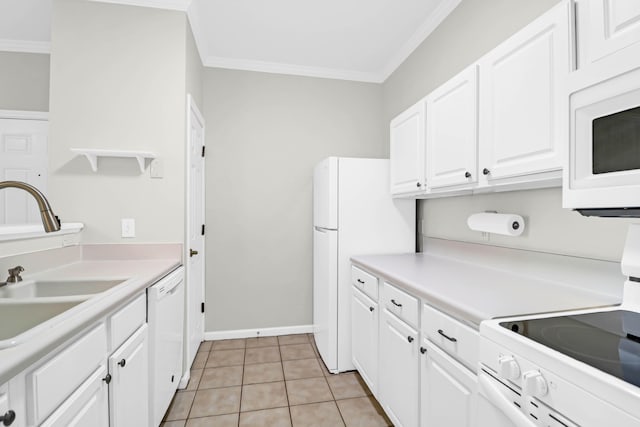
x: 578, y: 368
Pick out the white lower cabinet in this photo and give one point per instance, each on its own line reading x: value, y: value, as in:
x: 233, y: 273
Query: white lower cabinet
x: 398, y: 374
x: 98, y: 378
x: 447, y: 388
x: 129, y: 386
x: 364, y: 336
x: 87, y: 406
x: 418, y: 361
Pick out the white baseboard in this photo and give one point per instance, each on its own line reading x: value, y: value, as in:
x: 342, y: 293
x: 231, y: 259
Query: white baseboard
x: 261, y: 332
x: 184, y: 381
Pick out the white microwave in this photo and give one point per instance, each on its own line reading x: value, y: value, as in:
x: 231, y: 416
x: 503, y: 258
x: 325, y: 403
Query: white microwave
x: 602, y: 177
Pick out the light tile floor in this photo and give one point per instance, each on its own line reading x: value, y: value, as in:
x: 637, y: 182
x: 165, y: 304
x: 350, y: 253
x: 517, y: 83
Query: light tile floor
x: 270, y: 382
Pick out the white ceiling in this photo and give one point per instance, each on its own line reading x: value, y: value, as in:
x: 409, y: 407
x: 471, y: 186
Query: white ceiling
x: 364, y: 40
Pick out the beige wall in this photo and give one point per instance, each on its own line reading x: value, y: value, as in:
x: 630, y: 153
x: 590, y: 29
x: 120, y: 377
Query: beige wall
x: 474, y: 28
x: 265, y: 133
x: 194, y: 69
x: 118, y: 82
x: 24, y: 81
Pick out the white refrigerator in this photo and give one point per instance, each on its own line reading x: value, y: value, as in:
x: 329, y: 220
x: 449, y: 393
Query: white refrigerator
x: 353, y: 214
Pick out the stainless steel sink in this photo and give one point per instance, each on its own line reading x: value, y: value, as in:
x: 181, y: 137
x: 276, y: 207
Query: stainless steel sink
x: 51, y: 288
x: 19, y: 320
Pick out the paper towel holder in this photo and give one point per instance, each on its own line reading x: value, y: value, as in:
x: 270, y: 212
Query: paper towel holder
x: 492, y: 222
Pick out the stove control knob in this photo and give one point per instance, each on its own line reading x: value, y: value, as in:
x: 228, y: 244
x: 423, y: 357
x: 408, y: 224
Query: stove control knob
x: 534, y: 384
x: 508, y: 368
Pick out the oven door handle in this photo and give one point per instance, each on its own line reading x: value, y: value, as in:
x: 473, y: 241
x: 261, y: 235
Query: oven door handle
x: 505, y: 406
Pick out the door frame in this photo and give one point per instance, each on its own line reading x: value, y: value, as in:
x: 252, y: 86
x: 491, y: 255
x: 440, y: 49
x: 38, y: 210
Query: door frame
x: 191, y: 107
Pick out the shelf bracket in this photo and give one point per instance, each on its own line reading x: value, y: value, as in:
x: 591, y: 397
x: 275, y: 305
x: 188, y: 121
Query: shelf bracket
x: 93, y: 154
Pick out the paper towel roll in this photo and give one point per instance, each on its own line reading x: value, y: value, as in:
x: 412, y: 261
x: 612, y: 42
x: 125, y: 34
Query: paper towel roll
x: 507, y: 224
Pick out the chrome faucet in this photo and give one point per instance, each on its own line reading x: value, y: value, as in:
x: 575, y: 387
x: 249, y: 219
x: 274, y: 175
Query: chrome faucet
x: 49, y: 220
x: 14, y: 275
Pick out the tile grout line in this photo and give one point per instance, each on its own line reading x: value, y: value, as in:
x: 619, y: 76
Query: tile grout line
x: 244, y: 362
x: 335, y: 401
x: 286, y: 390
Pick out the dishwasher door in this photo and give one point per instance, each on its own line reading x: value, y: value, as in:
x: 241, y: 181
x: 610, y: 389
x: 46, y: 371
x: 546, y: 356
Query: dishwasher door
x: 166, y: 322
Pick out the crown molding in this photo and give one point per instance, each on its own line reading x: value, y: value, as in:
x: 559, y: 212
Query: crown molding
x: 181, y: 5
x: 428, y: 26
x: 24, y: 46
x: 291, y: 69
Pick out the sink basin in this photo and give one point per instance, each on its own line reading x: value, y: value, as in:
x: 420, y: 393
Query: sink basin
x: 51, y: 288
x: 18, y: 320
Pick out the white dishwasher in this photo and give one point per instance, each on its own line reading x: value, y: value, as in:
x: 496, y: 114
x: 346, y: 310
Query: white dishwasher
x: 166, y: 322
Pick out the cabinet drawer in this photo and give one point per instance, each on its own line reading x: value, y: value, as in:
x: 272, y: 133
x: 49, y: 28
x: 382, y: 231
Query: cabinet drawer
x: 401, y: 304
x: 364, y: 281
x: 126, y: 321
x: 53, y: 382
x: 458, y: 340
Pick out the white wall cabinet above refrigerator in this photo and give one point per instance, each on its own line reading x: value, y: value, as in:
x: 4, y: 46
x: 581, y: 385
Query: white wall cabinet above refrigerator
x: 407, y: 151
x: 500, y: 124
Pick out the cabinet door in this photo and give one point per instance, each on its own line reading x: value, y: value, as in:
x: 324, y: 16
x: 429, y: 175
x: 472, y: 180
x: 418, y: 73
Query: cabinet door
x: 407, y: 151
x: 399, y: 380
x: 129, y: 387
x: 364, y: 338
x: 87, y: 406
x: 607, y: 27
x: 523, y: 101
x: 452, y: 131
x: 448, y: 390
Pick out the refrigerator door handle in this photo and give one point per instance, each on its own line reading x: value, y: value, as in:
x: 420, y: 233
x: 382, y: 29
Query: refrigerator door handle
x: 322, y: 230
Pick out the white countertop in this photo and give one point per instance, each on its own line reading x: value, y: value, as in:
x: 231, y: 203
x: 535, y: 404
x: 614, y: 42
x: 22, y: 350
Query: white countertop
x: 139, y: 274
x: 474, y: 282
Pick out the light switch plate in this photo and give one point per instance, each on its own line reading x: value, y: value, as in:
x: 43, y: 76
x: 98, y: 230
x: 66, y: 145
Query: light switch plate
x: 128, y: 227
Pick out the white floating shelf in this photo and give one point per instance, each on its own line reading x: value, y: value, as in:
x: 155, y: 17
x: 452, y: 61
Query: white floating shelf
x: 93, y: 154
x: 30, y: 231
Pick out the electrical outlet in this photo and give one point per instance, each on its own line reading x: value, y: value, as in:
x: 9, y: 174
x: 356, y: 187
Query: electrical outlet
x: 156, y: 169
x: 128, y: 227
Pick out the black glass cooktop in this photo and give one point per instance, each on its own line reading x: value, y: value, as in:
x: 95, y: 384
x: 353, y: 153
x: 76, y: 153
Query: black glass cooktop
x: 609, y: 341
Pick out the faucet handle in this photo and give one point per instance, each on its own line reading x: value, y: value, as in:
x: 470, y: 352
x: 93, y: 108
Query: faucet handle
x: 14, y: 274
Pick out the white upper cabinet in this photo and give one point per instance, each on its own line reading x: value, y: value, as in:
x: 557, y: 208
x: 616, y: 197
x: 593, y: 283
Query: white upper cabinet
x: 452, y: 131
x: 501, y: 124
x: 407, y: 151
x: 607, y: 40
x: 523, y: 100
x: 605, y: 27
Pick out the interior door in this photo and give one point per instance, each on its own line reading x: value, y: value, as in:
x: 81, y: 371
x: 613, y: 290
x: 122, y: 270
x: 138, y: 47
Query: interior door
x: 196, y: 266
x: 325, y: 295
x: 23, y: 157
